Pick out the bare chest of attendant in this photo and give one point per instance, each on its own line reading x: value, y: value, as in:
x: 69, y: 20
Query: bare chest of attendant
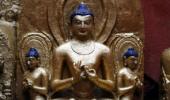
x: 36, y: 75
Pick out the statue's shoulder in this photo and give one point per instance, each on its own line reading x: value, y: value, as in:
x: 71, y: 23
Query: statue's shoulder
x: 122, y: 71
x: 64, y: 47
x: 166, y: 53
x: 42, y: 70
x: 103, y: 48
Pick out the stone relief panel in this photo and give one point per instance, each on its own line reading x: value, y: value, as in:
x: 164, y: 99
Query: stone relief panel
x: 8, y: 28
x: 124, y: 46
x: 44, y: 24
x: 7, y: 68
x: 9, y: 10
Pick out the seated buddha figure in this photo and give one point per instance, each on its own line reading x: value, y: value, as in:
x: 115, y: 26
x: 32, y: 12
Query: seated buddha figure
x: 89, y: 63
x: 35, y: 78
x: 127, y: 79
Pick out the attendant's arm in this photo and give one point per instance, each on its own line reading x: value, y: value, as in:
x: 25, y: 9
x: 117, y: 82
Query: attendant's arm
x: 40, y: 88
x: 43, y: 89
x: 122, y: 89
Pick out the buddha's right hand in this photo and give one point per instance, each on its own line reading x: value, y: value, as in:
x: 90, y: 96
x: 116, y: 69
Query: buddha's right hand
x: 77, y: 73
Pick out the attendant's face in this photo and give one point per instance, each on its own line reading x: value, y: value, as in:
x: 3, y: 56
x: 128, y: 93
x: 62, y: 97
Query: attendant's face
x: 32, y: 62
x: 82, y: 25
x: 131, y: 62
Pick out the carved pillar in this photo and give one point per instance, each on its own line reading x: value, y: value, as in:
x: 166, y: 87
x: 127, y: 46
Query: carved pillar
x: 8, y: 17
x: 7, y: 40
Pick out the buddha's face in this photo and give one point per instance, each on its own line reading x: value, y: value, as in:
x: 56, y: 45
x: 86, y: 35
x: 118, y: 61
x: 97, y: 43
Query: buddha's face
x: 131, y: 62
x: 82, y: 25
x: 32, y: 62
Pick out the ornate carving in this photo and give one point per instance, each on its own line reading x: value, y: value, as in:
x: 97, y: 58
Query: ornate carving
x: 35, y: 78
x: 54, y: 17
x: 4, y: 40
x: 89, y: 63
x: 105, y: 18
x: 42, y: 42
x: 37, y: 86
x: 9, y: 10
x: 127, y: 77
x: 49, y: 20
x: 7, y: 66
x: 121, y: 43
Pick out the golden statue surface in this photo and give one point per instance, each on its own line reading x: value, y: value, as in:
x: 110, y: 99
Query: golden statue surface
x: 36, y: 78
x: 85, y: 59
x: 165, y: 71
x: 81, y: 50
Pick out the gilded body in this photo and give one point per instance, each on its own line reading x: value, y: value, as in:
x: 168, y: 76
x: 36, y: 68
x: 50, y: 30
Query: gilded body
x: 165, y: 61
x: 127, y: 77
x: 83, y: 84
x: 35, y: 80
x: 90, y: 63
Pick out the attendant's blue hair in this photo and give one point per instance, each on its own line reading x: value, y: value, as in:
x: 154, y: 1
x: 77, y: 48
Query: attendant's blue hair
x: 32, y: 53
x: 130, y: 52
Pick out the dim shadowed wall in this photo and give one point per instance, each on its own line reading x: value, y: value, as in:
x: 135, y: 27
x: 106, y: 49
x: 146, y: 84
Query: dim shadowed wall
x: 157, y: 38
x: 157, y: 34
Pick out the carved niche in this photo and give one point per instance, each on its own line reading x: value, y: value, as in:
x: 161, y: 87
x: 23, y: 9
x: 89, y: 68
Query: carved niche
x: 121, y: 43
x: 43, y: 24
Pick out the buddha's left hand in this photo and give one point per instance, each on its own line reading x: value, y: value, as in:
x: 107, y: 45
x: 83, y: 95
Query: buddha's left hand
x: 91, y: 73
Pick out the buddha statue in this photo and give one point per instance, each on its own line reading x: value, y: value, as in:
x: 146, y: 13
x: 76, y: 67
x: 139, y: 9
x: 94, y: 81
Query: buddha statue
x: 35, y: 78
x: 127, y: 79
x: 89, y: 63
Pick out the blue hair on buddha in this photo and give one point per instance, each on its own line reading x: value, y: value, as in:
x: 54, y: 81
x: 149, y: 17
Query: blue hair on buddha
x: 81, y: 9
x: 32, y: 53
x: 130, y: 52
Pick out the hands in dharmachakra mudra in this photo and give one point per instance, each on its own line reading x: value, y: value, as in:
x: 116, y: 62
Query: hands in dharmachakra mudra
x: 90, y: 65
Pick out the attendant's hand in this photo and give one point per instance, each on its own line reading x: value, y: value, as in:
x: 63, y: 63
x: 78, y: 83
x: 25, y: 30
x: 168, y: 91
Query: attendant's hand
x: 27, y: 83
x: 138, y: 82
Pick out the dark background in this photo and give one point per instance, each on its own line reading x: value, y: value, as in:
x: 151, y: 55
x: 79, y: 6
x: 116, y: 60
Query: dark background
x: 157, y: 38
